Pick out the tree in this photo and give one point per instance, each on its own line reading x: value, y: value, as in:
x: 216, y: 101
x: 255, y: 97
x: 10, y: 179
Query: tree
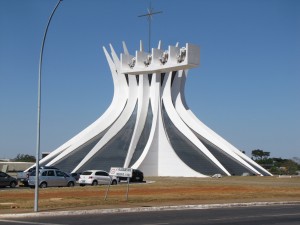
x: 266, y: 155
x: 24, y: 158
x: 290, y: 166
x: 296, y: 159
x: 276, y: 165
x: 258, y: 154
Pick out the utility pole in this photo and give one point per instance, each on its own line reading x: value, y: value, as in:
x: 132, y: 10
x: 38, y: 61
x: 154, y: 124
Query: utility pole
x: 36, y: 192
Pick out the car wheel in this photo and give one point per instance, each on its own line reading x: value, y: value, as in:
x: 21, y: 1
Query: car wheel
x: 71, y: 184
x: 95, y: 183
x: 43, y: 185
x: 114, y: 182
x: 13, y: 184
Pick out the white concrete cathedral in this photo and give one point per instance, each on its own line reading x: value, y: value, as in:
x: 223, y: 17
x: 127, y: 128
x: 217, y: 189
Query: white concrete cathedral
x: 148, y: 125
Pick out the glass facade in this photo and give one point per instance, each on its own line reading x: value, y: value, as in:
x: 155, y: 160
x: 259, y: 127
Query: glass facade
x: 259, y: 169
x: 231, y: 165
x: 143, y: 138
x: 70, y: 161
x: 113, y: 154
x: 187, y: 151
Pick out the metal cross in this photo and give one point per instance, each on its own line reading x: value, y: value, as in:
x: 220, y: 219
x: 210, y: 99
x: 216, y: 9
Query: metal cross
x: 149, y: 16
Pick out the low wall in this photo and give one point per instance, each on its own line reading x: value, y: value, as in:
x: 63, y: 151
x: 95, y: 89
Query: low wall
x: 11, y: 167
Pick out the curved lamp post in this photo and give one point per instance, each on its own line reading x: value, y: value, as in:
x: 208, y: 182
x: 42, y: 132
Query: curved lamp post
x: 36, y: 193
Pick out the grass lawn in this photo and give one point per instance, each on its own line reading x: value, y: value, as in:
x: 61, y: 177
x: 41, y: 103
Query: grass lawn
x: 158, y: 191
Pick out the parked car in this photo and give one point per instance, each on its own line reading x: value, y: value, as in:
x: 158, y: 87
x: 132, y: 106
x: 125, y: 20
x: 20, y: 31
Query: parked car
x: 51, y: 178
x: 7, y: 180
x: 137, y: 176
x: 95, y: 177
x: 76, y: 176
x: 23, y: 177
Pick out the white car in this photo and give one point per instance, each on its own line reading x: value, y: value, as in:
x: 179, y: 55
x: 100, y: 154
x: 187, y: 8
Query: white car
x: 95, y: 177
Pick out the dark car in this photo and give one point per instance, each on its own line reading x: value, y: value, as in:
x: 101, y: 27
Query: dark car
x: 6, y: 180
x: 137, y: 176
x: 75, y: 175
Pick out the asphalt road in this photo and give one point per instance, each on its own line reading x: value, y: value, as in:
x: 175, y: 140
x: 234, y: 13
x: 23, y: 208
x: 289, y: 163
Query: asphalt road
x: 262, y: 215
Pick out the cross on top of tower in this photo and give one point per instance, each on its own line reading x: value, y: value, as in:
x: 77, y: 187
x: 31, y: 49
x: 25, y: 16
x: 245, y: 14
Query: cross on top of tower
x: 149, y: 17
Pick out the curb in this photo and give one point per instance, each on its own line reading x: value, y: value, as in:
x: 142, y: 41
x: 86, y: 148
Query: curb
x: 145, y: 209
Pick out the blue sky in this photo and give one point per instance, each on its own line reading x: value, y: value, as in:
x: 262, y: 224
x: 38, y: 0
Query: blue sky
x: 247, y: 88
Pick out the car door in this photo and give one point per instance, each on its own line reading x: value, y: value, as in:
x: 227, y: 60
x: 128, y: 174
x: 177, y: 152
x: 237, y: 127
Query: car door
x: 51, y: 178
x: 4, y: 181
x: 61, y: 178
x: 102, y: 177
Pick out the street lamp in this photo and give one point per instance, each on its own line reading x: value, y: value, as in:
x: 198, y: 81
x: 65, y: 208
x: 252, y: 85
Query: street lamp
x: 36, y: 193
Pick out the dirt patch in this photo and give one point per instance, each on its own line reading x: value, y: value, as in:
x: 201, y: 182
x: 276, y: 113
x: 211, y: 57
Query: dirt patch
x: 161, y: 191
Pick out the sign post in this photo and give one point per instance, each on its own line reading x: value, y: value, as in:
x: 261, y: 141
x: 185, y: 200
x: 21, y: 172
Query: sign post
x: 127, y: 188
x: 108, y: 186
x: 120, y: 172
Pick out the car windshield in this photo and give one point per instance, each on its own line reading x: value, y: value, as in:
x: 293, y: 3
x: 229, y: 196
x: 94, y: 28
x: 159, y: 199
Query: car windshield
x: 33, y: 173
x: 86, y: 173
x: 66, y: 175
x: 31, y: 169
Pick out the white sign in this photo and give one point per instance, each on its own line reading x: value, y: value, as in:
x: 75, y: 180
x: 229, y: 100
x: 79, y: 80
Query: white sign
x: 120, y: 172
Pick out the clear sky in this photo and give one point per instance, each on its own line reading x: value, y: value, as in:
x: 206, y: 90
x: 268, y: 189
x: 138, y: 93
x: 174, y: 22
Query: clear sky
x: 247, y: 87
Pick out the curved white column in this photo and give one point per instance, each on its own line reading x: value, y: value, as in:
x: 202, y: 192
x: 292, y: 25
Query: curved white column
x: 181, y: 126
x: 157, y: 158
x: 119, y: 123
x: 143, y: 104
x: 148, y: 162
x: 110, y: 115
x: 197, y: 126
